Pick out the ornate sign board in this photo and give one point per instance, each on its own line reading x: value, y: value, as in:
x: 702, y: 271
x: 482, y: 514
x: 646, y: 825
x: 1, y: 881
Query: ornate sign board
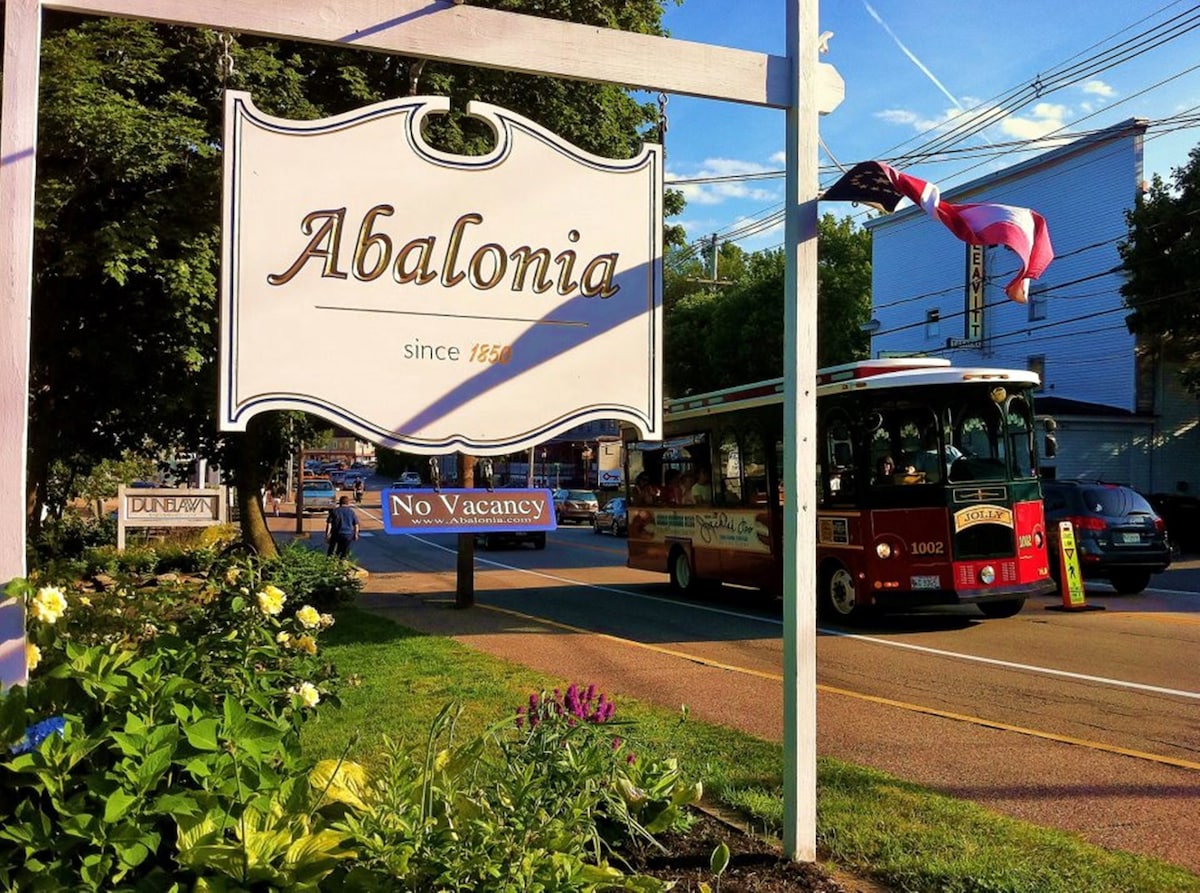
x: 434, y: 302
x: 168, y: 507
x: 467, y: 511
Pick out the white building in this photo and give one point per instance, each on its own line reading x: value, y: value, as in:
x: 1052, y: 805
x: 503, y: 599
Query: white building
x: 1121, y: 417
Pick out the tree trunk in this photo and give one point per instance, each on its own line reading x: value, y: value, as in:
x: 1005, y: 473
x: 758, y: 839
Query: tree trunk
x: 251, y: 478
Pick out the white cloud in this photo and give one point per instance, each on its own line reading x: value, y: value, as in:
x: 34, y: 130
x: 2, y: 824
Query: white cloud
x: 1097, y: 87
x: 732, y: 190
x: 1043, y: 118
x: 923, y: 123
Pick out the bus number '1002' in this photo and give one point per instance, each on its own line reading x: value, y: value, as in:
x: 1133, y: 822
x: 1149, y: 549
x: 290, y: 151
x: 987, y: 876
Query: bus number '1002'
x: 929, y: 548
x: 1024, y: 541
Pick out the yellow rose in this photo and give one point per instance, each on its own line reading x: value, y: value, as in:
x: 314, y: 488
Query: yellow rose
x: 33, y: 656
x: 307, y: 644
x: 271, y: 599
x: 49, y: 604
x: 284, y: 638
x: 85, y: 601
x: 309, y: 617
x: 232, y: 574
x: 326, y: 621
x: 308, y: 694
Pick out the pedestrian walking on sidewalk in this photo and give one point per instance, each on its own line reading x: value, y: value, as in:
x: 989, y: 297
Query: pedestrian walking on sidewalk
x: 341, y: 528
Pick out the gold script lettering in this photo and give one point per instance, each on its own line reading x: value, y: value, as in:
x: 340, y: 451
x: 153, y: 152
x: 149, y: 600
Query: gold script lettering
x: 323, y: 244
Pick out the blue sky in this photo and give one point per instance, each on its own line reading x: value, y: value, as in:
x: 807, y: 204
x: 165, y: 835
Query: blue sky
x: 913, y: 69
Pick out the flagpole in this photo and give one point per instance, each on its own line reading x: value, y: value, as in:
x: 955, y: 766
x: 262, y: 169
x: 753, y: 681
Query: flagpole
x: 799, y: 440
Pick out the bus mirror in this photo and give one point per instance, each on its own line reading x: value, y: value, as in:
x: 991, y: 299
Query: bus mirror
x: 1050, y: 425
x: 1051, y: 447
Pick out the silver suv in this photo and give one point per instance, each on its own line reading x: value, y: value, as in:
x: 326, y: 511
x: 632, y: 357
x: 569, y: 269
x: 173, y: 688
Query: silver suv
x: 575, y: 505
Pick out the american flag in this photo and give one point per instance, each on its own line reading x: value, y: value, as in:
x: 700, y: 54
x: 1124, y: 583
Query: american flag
x: 1020, y: 229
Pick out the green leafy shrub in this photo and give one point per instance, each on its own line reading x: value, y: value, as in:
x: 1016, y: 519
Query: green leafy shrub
x: 157, y: 747
x: 183, y: 557
x: 69, y: 537
x: 176, y: 711
x: 312, y: 576
x: 536, y: 804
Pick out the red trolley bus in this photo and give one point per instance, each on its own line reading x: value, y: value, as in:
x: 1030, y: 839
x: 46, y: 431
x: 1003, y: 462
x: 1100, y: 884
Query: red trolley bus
x: 928, y: 489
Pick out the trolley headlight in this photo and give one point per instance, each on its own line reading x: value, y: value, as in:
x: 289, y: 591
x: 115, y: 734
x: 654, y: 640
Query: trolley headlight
x: 883, y: 550
x: 987, y: 575
x: 1038, y: 539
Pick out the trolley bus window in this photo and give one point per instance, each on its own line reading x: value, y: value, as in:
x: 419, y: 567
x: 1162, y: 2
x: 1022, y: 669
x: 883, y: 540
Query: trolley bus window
x: 979, y: 435
x: 1018, y: 419
x: 839, y: 484
x: 729, y: 471
x: 754, y: 468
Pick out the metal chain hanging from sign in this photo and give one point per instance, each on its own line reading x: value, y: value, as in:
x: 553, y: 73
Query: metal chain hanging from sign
x: 662, y: 122
x: 225, y: 61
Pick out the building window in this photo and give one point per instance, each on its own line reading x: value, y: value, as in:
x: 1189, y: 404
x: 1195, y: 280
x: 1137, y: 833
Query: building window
x: 1037, y: 303
x: 933, y: 327
x: 1038, y: 365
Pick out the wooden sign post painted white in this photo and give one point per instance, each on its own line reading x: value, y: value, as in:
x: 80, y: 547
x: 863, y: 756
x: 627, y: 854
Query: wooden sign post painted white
x: 455, y: 32
x: 492, y: 301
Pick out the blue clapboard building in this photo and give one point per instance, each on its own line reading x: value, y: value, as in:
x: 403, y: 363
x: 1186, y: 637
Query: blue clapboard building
x: 1121, y: 413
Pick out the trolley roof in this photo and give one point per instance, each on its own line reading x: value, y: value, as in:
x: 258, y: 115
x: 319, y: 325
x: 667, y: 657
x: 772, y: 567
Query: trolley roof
x: 903, y: 372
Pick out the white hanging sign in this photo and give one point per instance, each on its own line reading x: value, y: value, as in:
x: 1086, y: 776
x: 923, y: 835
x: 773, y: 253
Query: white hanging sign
x: 436, y: 302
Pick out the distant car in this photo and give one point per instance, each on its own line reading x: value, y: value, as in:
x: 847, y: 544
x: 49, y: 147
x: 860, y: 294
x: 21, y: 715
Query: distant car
x: 319, y: 495
x: 407, y: 479
x: 613, y: 517
x: 1118, y: 535
x: 575, y: 505
x: 497, y: 540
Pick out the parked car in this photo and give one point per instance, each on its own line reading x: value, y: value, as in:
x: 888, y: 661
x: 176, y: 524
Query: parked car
x: 406, y: 480
x: 319, y: 495
x: 613, y: 517
x: 1182, y: 516
x: 497, y: 540
x: 575, y: 505
x: 1119, y: 536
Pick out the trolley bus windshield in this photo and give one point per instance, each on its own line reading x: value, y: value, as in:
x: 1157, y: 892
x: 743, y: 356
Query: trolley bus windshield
x: 928, y: 489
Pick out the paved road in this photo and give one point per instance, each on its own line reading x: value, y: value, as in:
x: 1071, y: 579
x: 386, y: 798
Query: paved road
x: 1084, y: 721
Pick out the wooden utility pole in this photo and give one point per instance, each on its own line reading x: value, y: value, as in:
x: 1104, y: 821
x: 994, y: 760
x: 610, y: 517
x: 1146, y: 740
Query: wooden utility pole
x: 464, y: 593
x: 300, y: 495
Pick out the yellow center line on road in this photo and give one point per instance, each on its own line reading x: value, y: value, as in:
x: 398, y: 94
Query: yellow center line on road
x: 874, y: 699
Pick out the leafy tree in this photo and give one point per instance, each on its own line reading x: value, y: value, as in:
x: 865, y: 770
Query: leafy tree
x: 102, y: 481
x: 1162, y: 260
x: 717, y: 338
x: 124, y: 329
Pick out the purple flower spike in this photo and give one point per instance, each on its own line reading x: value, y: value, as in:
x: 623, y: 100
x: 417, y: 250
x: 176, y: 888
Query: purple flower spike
x: 616, y: 744
x: 591, y: 693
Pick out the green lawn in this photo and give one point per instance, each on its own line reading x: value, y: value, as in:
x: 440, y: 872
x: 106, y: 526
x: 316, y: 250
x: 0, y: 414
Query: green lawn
x: 905, y: 836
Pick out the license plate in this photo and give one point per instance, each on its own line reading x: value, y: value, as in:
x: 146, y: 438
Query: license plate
x: 1129, y: 539
x: 927, y: 582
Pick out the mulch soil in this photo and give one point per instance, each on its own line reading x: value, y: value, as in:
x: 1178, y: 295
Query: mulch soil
x: 756, y: 864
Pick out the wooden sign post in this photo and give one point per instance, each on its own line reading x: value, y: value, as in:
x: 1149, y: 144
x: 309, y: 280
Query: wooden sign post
x: 455, y: 32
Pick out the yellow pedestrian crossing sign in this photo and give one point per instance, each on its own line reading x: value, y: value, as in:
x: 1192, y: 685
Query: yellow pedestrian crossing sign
x: 1070, y: 574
